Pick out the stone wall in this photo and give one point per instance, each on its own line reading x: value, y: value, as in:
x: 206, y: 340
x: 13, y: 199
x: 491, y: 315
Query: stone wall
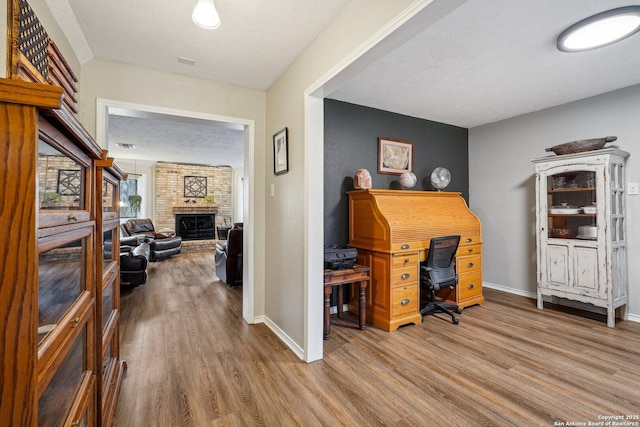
x: 170, y: 191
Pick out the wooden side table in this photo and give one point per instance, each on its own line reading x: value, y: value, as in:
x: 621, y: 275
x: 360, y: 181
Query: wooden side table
x: 357, y: 274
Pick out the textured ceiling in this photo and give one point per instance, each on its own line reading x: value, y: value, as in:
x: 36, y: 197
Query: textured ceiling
x: 255, y: 43
x: 170, y: 139
x: 489, y: 60
x: 484, y: 61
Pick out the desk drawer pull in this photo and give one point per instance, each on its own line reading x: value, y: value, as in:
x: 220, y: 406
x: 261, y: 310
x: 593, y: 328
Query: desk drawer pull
x: 72, y: 218
x: 405, y: 276
x: 469, y: 264
x: 405, y: 301
x: 469, y: 240
x: 406, y: 260
x: 470, y: 286
x: 470, y: 250
x: 405, y: 246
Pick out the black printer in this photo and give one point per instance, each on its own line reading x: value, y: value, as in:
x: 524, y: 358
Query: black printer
x: 339, y: 257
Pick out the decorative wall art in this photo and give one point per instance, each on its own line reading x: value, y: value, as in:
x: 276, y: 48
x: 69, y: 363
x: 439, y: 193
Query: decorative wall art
x: 281, y: 152
x: 69, y: 182
x: 195, y: 186
x: 395, y: 156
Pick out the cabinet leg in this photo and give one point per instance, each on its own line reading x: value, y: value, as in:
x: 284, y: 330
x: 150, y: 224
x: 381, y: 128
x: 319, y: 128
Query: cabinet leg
x: 540, y: 301
x: 611, y: 317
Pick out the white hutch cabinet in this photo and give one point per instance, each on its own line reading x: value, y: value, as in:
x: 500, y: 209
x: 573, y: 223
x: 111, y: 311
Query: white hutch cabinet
x: 581, y: 230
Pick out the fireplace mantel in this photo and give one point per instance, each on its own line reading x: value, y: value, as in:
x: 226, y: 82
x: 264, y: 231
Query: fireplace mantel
x: 195, y: 209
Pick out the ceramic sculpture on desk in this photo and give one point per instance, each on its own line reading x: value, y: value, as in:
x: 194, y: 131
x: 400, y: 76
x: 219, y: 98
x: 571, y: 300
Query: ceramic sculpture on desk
x: 362, y: 180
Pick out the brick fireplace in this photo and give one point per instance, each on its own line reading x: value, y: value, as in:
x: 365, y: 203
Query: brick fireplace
x: 170, y: 186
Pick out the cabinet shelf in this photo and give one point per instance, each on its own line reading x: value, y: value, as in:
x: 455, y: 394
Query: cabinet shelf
x: 580, y: 215
x: 571, y: 190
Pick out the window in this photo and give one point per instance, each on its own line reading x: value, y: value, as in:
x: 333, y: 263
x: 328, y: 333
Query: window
x: 130, y: 199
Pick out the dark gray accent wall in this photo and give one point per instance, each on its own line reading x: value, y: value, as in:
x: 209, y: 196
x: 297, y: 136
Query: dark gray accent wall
x: 351, y: 142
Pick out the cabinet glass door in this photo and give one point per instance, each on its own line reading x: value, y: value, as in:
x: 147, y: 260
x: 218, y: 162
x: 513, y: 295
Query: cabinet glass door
x: 60, y: 180
x: 572, y: 205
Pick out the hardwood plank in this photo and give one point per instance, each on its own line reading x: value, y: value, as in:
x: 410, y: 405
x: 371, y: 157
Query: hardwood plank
x: 193, y: 361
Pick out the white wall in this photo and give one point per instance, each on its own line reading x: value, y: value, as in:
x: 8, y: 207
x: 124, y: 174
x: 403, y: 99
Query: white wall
x: 501, y: 183
x: 137, y: 85
x: 286, y: 269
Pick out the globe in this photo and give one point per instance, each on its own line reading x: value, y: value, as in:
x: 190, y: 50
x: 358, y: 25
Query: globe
x: 408, y: 180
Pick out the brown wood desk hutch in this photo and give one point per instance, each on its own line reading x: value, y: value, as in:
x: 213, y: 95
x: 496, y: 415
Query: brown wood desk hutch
x: 392, y: 230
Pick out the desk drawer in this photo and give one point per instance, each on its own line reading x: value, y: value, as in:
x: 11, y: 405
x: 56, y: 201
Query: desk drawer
x: 404, y: 300
x: 469, y: 250
x: 404, y: 275
x: 468, y: 263
x: 470, y: 240
x: 469, y: 285
x: 404, y: 260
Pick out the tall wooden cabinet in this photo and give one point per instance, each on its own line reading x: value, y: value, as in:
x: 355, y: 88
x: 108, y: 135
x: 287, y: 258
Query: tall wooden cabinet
x: 49, y: 282
x: 392, y: 230
x: 109, y: 375
x: 581, y: 229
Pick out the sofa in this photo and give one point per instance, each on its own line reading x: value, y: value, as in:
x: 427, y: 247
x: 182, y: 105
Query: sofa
x: 228, y: 257
x: 163, y: 243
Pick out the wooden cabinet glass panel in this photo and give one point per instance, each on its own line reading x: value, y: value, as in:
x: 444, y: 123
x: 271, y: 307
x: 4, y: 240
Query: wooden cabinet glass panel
x: 61, y: 281
x: 571, y: 203
x: 60, y: 180
x: 108, y: 254
x: 109, y: 203
x: 107, y: 358
x: 107, y: 304
x: 60, y: 394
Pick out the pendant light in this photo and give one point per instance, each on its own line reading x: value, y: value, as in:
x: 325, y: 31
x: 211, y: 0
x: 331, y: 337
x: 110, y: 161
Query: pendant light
x: 205, y: 15
x: 600, y: 30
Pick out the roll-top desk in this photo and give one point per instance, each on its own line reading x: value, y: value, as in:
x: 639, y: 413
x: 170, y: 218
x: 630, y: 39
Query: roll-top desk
x: 392, y: 230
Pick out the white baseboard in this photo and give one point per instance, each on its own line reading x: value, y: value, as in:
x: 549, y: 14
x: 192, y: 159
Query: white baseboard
x: 510, y: 290
x: 297, y: 350
x: 534, y: 295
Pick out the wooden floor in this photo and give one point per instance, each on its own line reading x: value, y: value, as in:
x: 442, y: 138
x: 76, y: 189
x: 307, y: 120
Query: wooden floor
x: 193, y: 361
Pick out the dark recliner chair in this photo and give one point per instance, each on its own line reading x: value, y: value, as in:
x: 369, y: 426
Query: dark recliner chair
x: 134, y: 259
x: 133, y: 265
x: 229, y: 257
x: 438, y: 272
x: 163, y: 244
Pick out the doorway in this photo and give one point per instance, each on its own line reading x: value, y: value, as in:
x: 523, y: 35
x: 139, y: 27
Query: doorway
x: 108, y: 108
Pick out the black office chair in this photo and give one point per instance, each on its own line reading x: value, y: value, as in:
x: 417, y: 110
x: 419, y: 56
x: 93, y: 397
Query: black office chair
x: 438, y: 272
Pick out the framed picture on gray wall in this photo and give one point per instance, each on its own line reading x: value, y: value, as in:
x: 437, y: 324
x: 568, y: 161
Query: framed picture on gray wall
x: 281, y: 152
x: 395, y: 156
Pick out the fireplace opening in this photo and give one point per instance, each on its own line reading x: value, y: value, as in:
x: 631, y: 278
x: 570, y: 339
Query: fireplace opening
x: 196, y: 226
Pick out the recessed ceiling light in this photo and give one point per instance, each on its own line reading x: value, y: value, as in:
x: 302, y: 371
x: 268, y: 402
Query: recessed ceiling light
x: 600, y: 30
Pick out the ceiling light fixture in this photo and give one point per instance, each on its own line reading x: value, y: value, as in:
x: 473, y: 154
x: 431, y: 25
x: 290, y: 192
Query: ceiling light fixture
x: 600, y: 30
x: 205, y: 15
